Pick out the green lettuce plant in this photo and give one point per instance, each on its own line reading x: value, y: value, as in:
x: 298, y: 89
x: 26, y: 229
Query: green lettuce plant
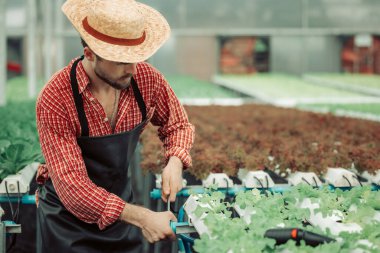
x: 19, y: 144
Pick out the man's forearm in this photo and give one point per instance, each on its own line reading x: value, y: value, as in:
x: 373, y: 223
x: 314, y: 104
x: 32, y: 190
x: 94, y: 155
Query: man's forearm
x: 134, y: 215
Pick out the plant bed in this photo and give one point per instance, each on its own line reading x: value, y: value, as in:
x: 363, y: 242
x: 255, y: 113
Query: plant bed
x: 366, y: 84
x: 259, y: 136
x: 224, y: 231
x: 189, y: 87
x: 287, y: 90
x: 368, y: 108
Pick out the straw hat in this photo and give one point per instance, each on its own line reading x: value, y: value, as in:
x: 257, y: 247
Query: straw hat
x: 118, y: 30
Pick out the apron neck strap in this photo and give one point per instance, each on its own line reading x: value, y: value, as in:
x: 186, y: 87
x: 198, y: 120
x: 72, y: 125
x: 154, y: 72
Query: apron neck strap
x: 79, y: 101
x: 78, y: 98
x: 139, y: 99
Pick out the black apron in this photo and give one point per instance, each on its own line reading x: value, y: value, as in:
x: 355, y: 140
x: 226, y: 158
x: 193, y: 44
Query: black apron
x: 107, y: 159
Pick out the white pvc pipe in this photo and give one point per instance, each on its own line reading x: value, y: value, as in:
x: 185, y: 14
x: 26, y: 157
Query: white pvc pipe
x: 31, y: 48
x: 3, y: 53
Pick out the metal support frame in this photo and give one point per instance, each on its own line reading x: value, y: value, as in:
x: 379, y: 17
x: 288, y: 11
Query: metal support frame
x: 305, y: 25
x: 32, y: 37
x: 59, y: 27
x: 2, y: 238
x: 3, y: 53
x: 7, y: 228
x: 48, y: 34
x: 270, y: 31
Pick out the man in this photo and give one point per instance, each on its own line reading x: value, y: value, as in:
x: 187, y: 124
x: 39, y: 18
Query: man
x: 89, y: 118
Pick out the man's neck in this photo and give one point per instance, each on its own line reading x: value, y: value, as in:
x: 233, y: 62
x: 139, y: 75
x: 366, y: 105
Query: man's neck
x: 97, y: 85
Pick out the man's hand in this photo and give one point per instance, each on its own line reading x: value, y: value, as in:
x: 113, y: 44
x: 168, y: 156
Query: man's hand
x: 172, y: 179
x: 155, y: 226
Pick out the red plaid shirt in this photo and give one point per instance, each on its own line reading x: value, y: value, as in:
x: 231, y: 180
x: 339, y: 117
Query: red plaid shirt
x: 58, y: 127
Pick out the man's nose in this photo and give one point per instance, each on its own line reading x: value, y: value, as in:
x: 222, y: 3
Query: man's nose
x: 131, y: 68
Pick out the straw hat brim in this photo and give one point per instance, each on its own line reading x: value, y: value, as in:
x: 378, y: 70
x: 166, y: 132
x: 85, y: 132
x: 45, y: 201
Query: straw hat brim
x: 157, y: 32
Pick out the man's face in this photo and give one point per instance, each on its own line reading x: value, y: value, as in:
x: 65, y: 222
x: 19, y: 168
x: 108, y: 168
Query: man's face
x: 116, y: 74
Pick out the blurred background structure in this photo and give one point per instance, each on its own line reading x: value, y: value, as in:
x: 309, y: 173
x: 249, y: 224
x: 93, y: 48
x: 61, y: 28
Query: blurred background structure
x: 221, y: 37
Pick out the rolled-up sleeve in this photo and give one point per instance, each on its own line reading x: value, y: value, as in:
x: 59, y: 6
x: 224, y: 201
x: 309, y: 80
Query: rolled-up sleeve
x: 175, y: 130
x: 66, y: 168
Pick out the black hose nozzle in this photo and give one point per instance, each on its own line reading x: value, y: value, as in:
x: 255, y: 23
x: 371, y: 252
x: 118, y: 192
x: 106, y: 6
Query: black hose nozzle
x: 282, y: 235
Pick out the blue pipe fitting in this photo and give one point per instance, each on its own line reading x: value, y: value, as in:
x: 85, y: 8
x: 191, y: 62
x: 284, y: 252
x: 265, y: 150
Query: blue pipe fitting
x: 25, y: 199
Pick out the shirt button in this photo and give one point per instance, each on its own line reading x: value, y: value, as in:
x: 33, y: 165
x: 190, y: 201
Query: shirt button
x: 105, y: 119
x: 92, y: 99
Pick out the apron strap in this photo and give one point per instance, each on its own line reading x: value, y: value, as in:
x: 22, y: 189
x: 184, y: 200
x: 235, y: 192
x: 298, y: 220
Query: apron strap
x: 139, y: 98
x: 78, y: 98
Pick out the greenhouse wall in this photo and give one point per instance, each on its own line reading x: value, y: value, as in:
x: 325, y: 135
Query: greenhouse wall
x: 304, y: 35
x: 323, y: 54
x: 288, y: 54
x: 197, y: 56
x: 224, y: 14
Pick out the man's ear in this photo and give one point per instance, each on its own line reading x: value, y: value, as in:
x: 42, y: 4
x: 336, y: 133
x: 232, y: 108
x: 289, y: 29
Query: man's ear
x: 88, y: 54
